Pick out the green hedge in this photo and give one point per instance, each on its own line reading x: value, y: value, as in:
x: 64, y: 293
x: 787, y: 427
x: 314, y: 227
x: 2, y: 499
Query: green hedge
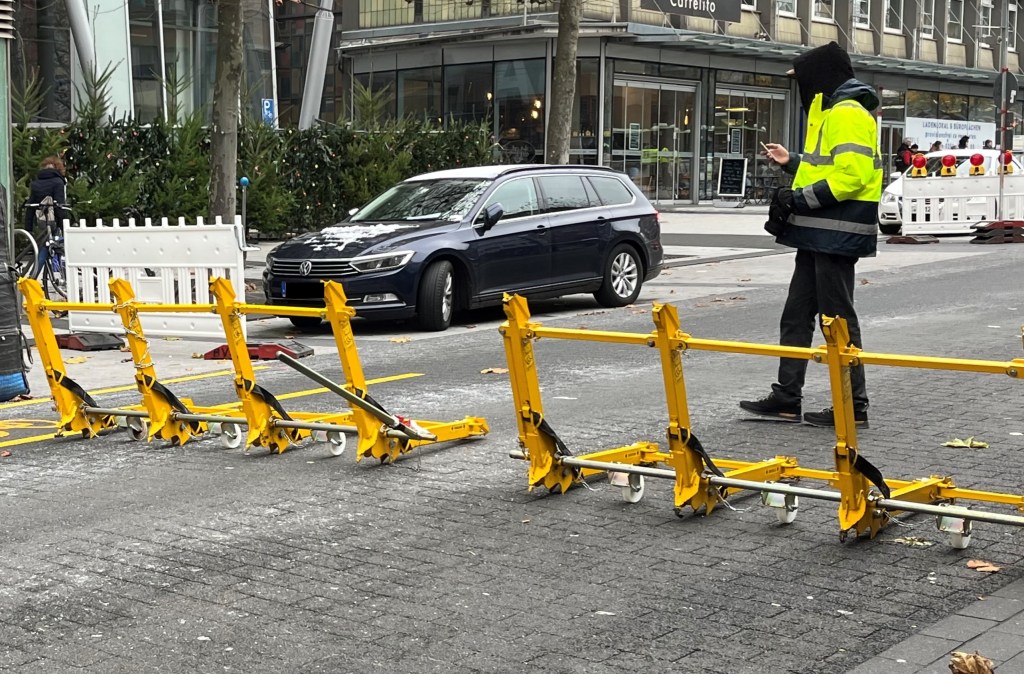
x: 299, y: 180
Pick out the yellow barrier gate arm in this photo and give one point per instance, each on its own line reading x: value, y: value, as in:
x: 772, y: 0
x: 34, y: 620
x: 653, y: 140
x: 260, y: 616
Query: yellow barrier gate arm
x: 690, y: 487
x: 540, y: 447
x: 68, y: 396
x: 855, y: 511
x: 256, y: 404
x: 159, y: 402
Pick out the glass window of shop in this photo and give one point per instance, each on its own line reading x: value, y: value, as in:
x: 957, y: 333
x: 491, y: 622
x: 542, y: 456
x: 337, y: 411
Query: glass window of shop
x: 419, y: 94
x: 893, y: 105
x: 43, y: 50
x: 585, y: 134
x: 519, y: 109
x: 468, y: 92
x: 922, y: 104
x: 144, y: 26
x: 190, y: 55
x: 953, y: 106
x: 743, y: 120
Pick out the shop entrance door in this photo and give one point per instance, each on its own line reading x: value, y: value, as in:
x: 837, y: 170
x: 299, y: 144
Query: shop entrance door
x: 892, y: 136
x: 653, y: 137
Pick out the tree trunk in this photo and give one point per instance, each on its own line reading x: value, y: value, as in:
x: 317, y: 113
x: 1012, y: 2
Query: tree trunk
x: 227, y: 89
x: 563, y: 85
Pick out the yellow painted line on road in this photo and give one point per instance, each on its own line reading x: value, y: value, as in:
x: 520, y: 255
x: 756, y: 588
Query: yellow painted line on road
x: 285, y: 396
x: 132, y: 387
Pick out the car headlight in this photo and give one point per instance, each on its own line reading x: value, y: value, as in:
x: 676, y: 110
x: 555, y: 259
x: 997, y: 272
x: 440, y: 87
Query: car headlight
x: 888, y: 197
x: 382, y: 262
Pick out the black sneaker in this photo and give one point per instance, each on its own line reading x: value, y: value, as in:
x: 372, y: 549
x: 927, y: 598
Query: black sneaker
x: 827, y: 418
x: 771, y: 406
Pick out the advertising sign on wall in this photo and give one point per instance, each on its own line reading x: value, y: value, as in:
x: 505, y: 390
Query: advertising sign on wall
x: 719, y: 10
x: 925, y: 131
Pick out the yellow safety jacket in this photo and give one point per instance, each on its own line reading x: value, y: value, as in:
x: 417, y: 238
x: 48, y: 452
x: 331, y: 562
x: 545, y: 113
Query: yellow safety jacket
x: 838, y: 179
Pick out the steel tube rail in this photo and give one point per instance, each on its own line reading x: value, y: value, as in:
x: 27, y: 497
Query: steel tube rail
x: 776, y: 488
x: 114, y: 412
x: 593, y: 335
x: 1012, y: 368
x: 314, y: 426
x: 950, y: 511
x: 752, y: 349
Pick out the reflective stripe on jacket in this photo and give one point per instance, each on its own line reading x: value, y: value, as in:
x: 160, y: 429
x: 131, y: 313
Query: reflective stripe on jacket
x: 838, y: 179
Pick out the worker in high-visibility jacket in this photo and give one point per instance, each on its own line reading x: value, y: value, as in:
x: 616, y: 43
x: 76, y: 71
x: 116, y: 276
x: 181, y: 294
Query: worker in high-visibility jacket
x: 829, y: 216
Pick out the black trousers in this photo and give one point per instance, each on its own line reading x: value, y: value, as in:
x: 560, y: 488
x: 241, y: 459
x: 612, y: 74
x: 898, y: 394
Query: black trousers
x: 822, y: 284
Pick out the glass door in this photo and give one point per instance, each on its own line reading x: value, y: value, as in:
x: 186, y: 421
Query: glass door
x: 652, y: 137
x: 891, y: 138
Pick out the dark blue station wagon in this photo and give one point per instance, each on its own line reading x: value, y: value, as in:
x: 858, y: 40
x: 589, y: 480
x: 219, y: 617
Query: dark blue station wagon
x: 459, y: 239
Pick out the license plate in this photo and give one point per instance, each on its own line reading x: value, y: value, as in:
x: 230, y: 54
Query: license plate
x: 284, y: 288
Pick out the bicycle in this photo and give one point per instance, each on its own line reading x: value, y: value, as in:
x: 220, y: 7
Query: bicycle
x: 40, y: 254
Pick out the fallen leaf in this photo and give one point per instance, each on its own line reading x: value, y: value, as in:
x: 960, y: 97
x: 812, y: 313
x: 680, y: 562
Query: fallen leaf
x: 400, y: 340
x: 982, y: 566
x: 970, y: 443
x: 124, y: 348
x: 494, y: 370
x: 196, y: 354
x: 526, y: 521
x: 969, y: 663
x: 172, y: 339
x: 913, y: 541
x: 126, y: 360
x: 603, y: 613
x: 4, y: 454
x: 74, y: 360
x: 864, y: 282
x: 744, y: 280
x: 469, y: 327
x: 250, y: 287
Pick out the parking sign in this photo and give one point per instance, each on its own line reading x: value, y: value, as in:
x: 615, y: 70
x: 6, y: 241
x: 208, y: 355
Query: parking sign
x: 268, y: 111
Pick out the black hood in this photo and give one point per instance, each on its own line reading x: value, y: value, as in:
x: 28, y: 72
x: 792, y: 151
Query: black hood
x: 821, y: 70
x: 360, y: 238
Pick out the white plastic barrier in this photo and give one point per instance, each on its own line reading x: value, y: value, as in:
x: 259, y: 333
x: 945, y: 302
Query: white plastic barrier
x: 956, y: 204
x: 165, y: 263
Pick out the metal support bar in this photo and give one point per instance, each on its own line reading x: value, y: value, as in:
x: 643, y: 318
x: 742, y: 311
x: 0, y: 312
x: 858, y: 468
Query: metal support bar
x: 114, y: 411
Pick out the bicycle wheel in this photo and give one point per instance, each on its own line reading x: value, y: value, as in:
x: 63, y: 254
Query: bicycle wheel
x: 55, y: 272
x: 26, y: 254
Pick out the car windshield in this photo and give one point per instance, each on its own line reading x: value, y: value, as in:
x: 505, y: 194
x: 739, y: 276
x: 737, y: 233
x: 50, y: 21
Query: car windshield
x: 442, y: 199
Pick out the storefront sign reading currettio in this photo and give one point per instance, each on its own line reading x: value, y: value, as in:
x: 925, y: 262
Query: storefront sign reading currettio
x: 719, y: 10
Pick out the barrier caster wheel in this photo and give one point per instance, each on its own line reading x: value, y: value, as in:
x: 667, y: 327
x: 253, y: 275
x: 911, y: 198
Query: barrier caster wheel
x: 336, y: 443
x: 959, y: 541
x: 633, y: 492
x: 230, y: 436
x: 138, y: 428
x: 785, y: 515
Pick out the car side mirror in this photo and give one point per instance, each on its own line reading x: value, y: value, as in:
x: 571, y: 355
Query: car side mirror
x: 492, y: 214
x: 352, y: 211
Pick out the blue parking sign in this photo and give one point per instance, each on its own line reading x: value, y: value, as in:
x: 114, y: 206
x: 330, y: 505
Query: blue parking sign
x: 268, y: 111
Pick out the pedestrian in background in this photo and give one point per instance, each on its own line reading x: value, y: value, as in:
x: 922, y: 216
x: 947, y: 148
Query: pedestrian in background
x: 49, y: 182
x: 936, y: 146
x: 987, y: 145
x: 964, y: 141
x: 903, y: 157
x: 829, y: 216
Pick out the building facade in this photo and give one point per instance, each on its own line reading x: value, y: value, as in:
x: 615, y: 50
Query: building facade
x: 666, y: 96
x: 160, y: 55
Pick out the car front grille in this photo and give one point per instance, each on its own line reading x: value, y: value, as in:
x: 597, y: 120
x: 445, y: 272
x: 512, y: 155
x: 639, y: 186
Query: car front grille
x: 319, y: 268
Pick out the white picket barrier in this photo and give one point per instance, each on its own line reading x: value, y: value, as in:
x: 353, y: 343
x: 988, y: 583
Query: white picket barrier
x: 956, y: 204
x: 165, y: 262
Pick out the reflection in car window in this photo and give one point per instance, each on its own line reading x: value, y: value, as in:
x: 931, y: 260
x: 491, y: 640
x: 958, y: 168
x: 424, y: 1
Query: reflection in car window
x: 563, y: 193
x: 518, y: 198
x: 444, y: 199
x: 610, y: 190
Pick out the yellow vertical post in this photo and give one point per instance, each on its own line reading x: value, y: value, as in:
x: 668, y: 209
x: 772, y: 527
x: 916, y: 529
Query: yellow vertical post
x: 668, y: 338
x: 540, y: 448
x: 853, y: 486
x: 158, y: 405
x: 258, y: 411
x: 371, y: 440
x: 69, y: 402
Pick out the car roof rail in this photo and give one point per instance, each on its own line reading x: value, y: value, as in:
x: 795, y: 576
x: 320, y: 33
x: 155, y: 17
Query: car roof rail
x: 558, y: 167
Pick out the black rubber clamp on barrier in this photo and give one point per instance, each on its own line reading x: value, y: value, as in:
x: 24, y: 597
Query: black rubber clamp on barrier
x: 542, y: 424
x: 74, y: 387
x: 172, y: 400
x: 269, y: 398
x: 691, y: 441
x: 868, y: 470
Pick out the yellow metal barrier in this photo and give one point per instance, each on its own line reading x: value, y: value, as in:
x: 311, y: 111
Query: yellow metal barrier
x: 268, y: 424
x: 865, y: 498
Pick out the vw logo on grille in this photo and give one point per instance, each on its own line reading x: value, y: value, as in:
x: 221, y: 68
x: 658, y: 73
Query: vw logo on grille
x: 305, y: 267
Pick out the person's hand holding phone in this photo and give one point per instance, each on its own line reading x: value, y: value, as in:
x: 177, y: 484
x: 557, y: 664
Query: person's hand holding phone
x: 776, y: 153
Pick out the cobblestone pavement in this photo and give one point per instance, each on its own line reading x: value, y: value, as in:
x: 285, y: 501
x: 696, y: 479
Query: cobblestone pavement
x: 123, y: 557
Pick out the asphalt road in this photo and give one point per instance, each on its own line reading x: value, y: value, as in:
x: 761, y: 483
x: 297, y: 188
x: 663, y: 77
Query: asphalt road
x: 124, y: 557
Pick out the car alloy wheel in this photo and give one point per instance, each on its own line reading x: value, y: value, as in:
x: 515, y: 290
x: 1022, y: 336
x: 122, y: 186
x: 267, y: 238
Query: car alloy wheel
x: 624, y: 274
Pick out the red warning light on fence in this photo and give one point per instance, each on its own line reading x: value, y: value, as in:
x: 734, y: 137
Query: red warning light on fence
x: 919, y: 161
x: 977, y: 159
x: 949, y: 160
x: 1007, y: 158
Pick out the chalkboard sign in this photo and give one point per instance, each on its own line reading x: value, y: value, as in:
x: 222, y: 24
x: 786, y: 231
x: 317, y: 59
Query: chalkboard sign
x: 732, y: 178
